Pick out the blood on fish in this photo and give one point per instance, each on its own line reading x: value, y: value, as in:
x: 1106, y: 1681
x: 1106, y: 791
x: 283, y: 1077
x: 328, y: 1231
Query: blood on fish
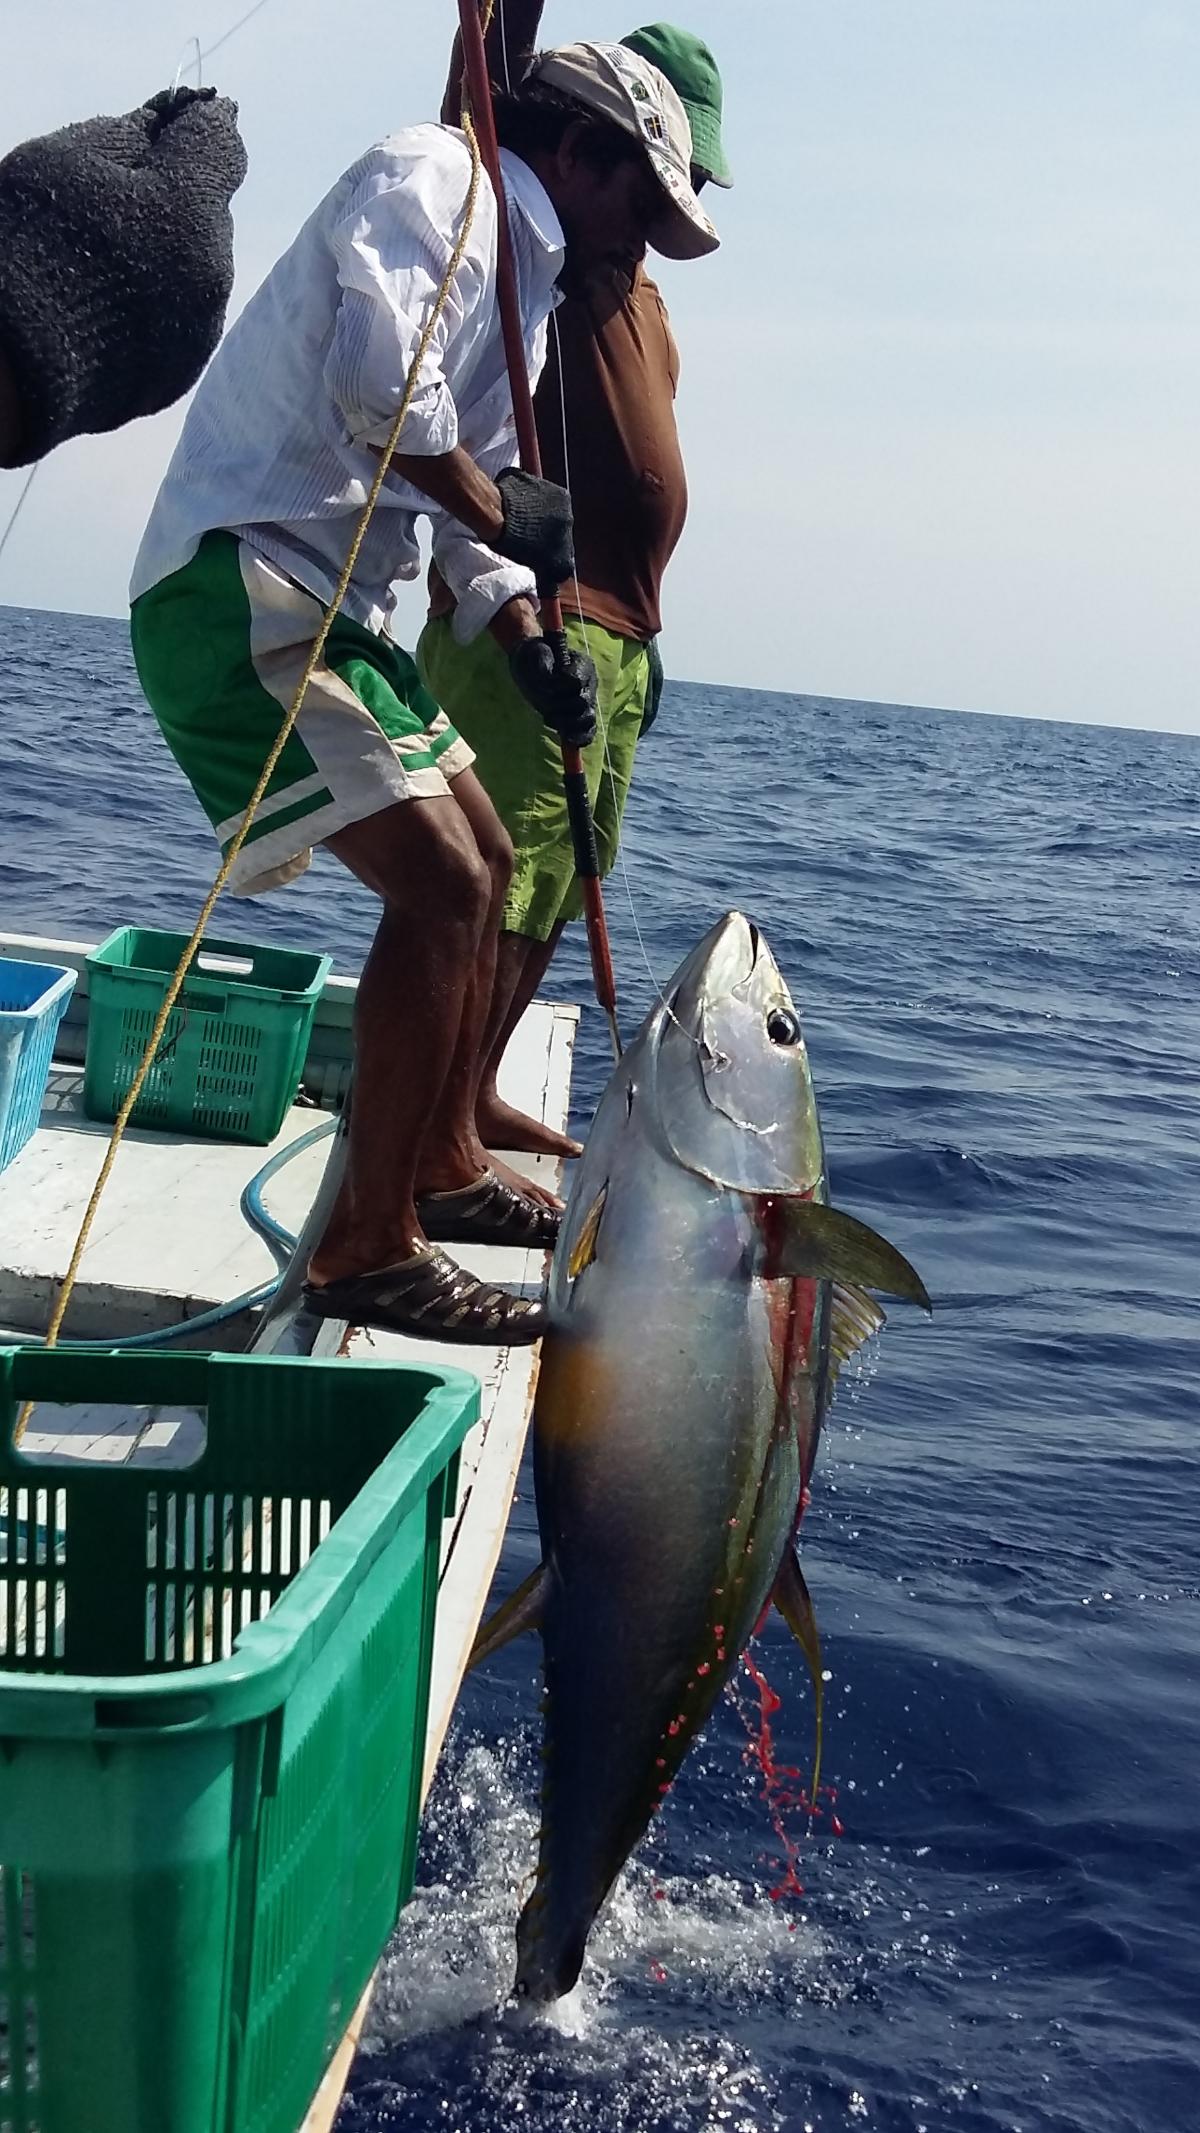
x: 778, y: 1793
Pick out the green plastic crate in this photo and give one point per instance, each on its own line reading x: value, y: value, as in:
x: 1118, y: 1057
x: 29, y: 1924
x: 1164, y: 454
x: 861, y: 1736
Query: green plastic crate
x: 201, y: 1858
x: 233, y: 1050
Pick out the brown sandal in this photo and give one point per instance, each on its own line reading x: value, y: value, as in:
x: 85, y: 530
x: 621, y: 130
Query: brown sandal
x: 432, y: 1298
x: 488, y: 1212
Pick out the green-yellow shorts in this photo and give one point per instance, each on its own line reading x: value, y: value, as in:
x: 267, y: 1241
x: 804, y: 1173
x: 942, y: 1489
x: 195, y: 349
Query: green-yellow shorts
x: 220, y: 647
x: 519, y: 761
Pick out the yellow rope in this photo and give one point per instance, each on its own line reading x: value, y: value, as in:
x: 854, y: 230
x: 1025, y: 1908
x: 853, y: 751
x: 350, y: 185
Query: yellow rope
x: 227, y: 864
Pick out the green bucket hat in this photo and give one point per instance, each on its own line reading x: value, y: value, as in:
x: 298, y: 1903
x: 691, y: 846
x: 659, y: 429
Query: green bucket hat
x: 692, y: 72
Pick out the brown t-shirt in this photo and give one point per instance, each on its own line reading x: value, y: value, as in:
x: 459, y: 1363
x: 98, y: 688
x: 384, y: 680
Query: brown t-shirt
x: 621, y: 368
x: 622, y: 451
x: 627, y: 484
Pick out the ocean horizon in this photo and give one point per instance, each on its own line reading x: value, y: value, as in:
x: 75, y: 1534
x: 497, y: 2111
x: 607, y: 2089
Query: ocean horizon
x: 865, y: 703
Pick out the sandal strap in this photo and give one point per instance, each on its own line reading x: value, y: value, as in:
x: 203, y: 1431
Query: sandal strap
x: 451, y: 1292
x: 488, y: 1211
x: 431, y: 1293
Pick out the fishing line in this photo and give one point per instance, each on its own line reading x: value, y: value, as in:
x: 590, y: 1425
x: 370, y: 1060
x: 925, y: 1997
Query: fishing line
x: 229, y: 860
x: 192, y: 46
x: 619, y: 856
x: 232, y: 31
x: 192, y: 54
x: 16, y: 510
x: 619, y: 853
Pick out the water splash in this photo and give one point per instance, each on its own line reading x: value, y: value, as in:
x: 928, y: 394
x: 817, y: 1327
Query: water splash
x: 642, y: 2037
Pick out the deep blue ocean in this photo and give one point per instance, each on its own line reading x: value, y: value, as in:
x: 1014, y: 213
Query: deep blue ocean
x: 992, y: 929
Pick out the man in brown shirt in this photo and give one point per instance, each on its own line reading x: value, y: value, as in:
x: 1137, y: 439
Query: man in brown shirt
x: 606, y: 428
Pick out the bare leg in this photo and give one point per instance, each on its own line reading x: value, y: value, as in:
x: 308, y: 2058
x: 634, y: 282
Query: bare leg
x: 453, y: 1154
x: 421, y: 858
x: 489, y: 1004
x: 521, y: 964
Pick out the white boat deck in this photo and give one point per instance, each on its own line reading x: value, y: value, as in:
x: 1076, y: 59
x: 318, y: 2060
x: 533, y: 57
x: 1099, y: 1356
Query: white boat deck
x: 170, y: 1241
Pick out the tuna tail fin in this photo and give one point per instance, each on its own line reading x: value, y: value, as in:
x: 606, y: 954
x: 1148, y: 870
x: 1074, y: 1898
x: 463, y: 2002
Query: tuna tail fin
x: 545, y: 1971
x: 794, y: 1601
x: 822, y: 1244
x: 521, y: 1611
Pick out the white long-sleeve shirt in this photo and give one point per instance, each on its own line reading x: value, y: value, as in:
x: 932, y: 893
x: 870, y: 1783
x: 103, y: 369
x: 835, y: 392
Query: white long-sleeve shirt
x: 276, y: 444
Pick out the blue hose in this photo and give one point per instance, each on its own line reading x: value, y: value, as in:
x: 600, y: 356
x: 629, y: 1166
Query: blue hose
x: 280, y: 1241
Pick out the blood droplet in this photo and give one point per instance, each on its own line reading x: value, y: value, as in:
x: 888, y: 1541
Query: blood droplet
x: 777, y: 1794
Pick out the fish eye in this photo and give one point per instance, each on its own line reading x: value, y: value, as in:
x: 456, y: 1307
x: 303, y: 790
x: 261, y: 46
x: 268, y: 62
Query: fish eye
x: 630, y: 1093
x: 782, y: 1026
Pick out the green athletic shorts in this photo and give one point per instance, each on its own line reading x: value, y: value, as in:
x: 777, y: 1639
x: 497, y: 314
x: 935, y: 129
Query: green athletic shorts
x: 220, y: 648
x: 519, y: 760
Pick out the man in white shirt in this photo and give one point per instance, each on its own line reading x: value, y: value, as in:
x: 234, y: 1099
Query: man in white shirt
x: 242, y: 553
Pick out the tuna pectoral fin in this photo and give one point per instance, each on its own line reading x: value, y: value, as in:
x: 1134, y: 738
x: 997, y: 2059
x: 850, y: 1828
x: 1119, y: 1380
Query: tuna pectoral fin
x: 521, y: 1611
x: 823, y: 1244
x: 794, y: 1601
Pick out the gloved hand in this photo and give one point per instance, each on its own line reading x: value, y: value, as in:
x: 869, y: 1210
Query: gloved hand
x: 562, y: 688
x: 654, y: 687
x: 116, y: 263
x: 537, y: 527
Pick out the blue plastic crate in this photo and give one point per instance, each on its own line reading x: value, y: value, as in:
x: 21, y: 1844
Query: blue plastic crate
x: 33, y: 1001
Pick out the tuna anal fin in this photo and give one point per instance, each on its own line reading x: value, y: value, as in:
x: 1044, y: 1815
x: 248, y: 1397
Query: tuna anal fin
x: 794, y: 1601
x: 823, y: 1244
x: 521, y: 1611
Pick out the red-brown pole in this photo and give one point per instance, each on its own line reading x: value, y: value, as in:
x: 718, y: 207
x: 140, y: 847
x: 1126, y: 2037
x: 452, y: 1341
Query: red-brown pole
x: 583, y: 835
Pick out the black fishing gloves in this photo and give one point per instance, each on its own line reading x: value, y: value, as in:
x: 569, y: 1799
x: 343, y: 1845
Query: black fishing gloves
x: 561, y: 685
x: 537, y: 527
x: 116, y: 263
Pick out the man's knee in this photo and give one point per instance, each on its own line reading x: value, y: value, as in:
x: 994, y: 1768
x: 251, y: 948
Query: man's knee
x: 492, y: 839
x: 422, y: 859
x: 499, y: 858
x: 458, y: 882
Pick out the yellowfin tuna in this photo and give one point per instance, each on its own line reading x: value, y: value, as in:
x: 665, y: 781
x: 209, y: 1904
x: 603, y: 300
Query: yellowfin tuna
x: 703, y: 1293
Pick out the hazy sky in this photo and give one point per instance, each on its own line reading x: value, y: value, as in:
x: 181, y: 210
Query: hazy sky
x: 941, y: 385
